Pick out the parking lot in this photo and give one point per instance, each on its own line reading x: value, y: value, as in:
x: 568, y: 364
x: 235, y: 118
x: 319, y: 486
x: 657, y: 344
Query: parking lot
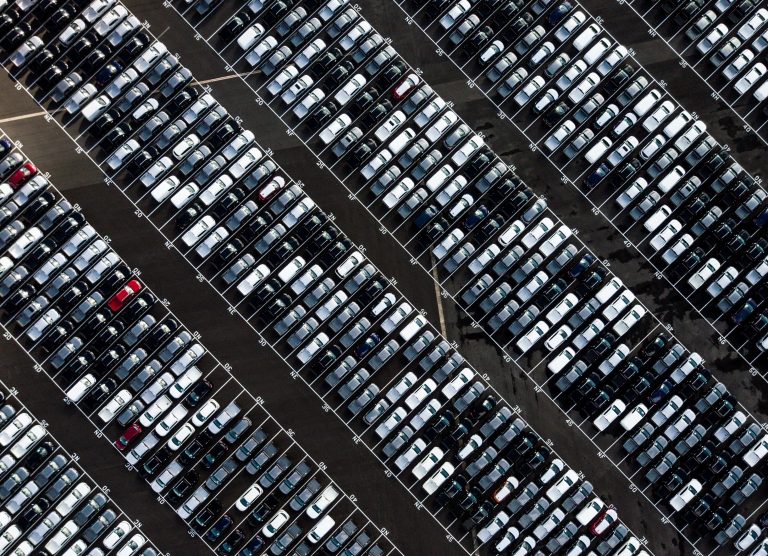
x: 331, y: 197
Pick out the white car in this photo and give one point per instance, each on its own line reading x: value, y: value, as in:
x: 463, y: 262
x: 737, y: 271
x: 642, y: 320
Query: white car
x: 560, y: 335
x: 757, y: 452
x: 334, y: 129
x: 252, y: 279
x: 247, y: 499
x: 26, y: 51
x: 72, y: 32
x: 184, y: 195
x: 280, y: 518
x: 528, y: 90
x: 81, y: 387
x: 322, y: 501
x: 308, y: 102
x: 536, y: 333
x: 665, y: 235
x: 165, y: 188
x: 117, y: 533
x: 429, y: 461
x: 749, y: 538
x: 563, y: 485
x: 122, y: 153
x: 633, y: 417
x: 198, y: 230
x: 29, y: 438
x: 178, y: 439
x: 685, y: 495
x: 350, y: 89
x: 285, y: 76
x: 438, y: 478
x: 132, y: 546
x: 604, y: 420
x: 212, y: 241
x: 750, y: 79
x: 293, y: 92
x: 158, y: 407
x: 79, y: 98
x: 454, y: 14
x: 25, y: 243
x: 171, y: 420
x: 625, y: 323
x: 712, y: 38
x: 108, y: 412
x: 206, y: 411
x: 249, y: 37
x: 256, y: 56
x: 185, y: 146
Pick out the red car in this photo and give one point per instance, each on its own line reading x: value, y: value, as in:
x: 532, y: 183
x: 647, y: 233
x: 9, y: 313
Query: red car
x: 22, y: 175
x: 603, y: 522
x: 406, y: 86
x: 129, y: 437
x: 119, y: 300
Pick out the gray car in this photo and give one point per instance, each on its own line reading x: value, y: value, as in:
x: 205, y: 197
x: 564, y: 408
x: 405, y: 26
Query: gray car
x: 254, y: 441
x: 13, y: 482
x: 90, y: 509
x: 129, y: 364
x: 99, y: 526
x: 50, y: 469
x: 361, y: 401
x: 267, y: 453
x: 275, y: 472
x: 238, y: 268
x: 341, y: 536
x: 294, y: 479
x: 9, y: 163
x: 62, y: 484
x: 306, y: 494
x: 65, y: 352
x: 285, y: 540
x: 138, y: 330
x: 219, y: 476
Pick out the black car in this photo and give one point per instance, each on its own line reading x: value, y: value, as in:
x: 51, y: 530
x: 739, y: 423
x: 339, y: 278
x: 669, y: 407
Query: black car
x: 155, y: 463
x: 161, y: 333
x: 55, y: 337
x: 193, y: 451
x: 38, y: 456
x: 205, y: 518
x: 231, y: 543
x: 183, y: 486
x: 198, y: 393
x: 264, y: 510
x: 235, y: 26
x: 219, y: 528
x: 100, y: 394
x: 214, y: 455
x: 33, y: 513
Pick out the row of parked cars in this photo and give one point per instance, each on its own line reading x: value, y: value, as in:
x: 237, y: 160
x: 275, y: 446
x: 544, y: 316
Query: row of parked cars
x: 731, y: 36
x: 355, y: 325
x: 244, y: 486
x: 693, y: 209
x: 48, y: 504
x: 610, y: 299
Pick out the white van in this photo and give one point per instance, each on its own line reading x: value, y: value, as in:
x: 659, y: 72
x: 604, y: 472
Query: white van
x: 321, y: 529
x: 322, y: 501
x: 670, y: 181
x: 597, y: 151
x: 410, y: 329
x: 291, y: 269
